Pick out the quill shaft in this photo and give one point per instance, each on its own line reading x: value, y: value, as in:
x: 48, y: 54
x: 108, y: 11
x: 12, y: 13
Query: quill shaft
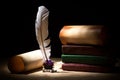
x: 42, y: 47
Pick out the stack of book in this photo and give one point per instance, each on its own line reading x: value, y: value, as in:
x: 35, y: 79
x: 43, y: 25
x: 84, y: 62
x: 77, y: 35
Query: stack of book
x: 83, y: 49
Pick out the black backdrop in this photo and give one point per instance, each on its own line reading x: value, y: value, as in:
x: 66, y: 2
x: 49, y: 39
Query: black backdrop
x: 18, y: 23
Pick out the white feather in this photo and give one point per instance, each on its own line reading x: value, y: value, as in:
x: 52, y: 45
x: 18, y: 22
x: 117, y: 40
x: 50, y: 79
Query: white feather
x: 41, y: 28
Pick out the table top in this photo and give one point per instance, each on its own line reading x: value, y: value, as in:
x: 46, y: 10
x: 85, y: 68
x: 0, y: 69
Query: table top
x: 59, y: 75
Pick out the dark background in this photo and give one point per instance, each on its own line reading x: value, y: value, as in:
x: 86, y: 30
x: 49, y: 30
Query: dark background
x: 18, y: 23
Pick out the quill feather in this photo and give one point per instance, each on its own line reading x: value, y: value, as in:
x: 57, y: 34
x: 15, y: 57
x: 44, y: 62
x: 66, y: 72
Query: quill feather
x: 42, y: 34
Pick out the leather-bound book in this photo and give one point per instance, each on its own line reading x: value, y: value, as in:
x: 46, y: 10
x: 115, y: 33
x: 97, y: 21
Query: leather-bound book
x: 84, y: 50
x: 88, y: 59
x: 83, y: 34
x: 86, y: 68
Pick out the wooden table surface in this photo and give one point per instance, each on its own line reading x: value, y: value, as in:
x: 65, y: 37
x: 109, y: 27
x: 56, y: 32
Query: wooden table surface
x: 59, y: 75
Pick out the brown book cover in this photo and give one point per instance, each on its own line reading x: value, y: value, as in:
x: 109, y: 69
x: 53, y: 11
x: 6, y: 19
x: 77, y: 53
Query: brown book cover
x: 84, y: 50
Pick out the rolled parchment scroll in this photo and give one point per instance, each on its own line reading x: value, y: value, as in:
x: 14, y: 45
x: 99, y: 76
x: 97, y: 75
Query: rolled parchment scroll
x: 25, y: 62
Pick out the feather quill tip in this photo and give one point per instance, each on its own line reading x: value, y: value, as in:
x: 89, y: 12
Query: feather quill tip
x: 48, y: 66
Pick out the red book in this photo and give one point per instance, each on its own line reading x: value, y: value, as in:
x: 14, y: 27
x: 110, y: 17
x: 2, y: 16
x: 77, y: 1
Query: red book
x: 85, y: 67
